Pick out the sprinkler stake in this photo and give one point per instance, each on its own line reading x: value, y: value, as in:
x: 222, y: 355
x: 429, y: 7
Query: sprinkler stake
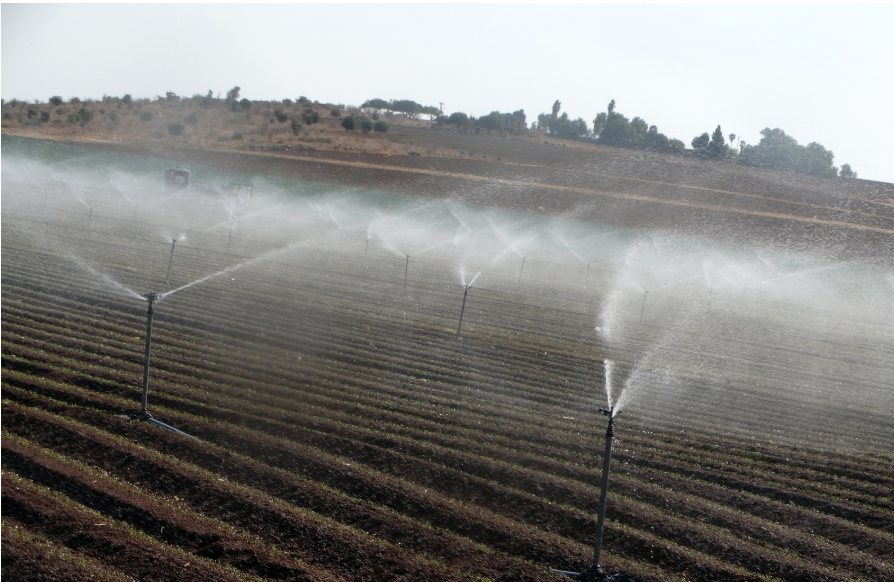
x: 643, y: 308
x: 143, y: 414
x: 462, y: 311
x: 170, y: 260
x: 595, y: 573
x: 406, y: 270
x: 520, y: 271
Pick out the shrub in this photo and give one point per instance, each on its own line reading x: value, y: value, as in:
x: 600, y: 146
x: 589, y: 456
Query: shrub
x: 85, y: 115
x: 336, y: 112
x: 127, y: 99
x: 192, y: 118
x: 366, y: 125
x: 303, y: 100
x: 310, y: 116
x: 348, y: 123
x: 56, y: 100
x: 73, y: 100
x: 175, y: 128
x: 44, y: 116
x: 381, y: 126
x: 146, y: 115
x: 296, y: 126
x: 113, y: 116
x: 245, y: 104
x: 280, y: 115
x: 73, y: 118
x: 237, y: 135
x: 31, y: 113
x: 287, y: 101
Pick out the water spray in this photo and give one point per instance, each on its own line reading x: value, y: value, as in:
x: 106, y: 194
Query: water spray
x: 143, y: 414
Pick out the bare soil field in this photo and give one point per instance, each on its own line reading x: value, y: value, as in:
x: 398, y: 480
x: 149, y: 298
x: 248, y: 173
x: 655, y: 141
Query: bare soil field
x: 346, y: 430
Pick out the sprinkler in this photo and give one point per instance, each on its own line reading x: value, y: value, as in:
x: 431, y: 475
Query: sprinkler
x: 170, y: 260
x: 595, y: 573
x: 463, y: 310
x: 643, y: 308
x: 143, y: 414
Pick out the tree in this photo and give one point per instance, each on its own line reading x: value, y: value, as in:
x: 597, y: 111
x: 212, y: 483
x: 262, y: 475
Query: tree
x: 56, y: 100
x: 336, y: 112
x: 381, y: 127
x: 493, y: 121
x: 366, y: 125
x: 701, y: 142
x: 611, y: 106
x: 779, y: 151
x: 348, y: 123
x: 375, y: 104
x: 459, y: 119
x: 557, y: 106
x: 245, y: 104
x: 732, y: 138
x: 847, y: 173
x: 206, y: 101
x: 233, y: 98
x: 717, y: 147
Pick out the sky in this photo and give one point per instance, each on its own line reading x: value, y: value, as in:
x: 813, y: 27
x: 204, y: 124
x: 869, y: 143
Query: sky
x: 820, y: 72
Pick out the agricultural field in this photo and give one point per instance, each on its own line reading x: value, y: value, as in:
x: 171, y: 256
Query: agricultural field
x: 378, y: 386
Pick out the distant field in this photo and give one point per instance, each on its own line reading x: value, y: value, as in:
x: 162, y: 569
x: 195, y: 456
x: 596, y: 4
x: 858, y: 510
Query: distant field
x: 346, y: 433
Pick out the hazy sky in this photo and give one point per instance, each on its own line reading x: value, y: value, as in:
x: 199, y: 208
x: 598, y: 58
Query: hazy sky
x: 820, y: 72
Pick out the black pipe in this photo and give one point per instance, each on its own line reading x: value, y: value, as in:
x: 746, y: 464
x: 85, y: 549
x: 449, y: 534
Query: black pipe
x: 461, y: 311
x: 643, y: 309
x: 406, y: 270
x: 171, y: 260
x: 151, y: 297
x: 603, y: 498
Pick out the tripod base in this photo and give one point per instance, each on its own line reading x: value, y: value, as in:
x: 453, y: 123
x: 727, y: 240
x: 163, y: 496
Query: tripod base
x: 146, y: 417
x: 596, y: 574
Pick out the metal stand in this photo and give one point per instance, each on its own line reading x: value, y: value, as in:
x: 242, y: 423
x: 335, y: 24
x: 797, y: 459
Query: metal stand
x: 170, y: 260
x: 595, y: 573
x: 143, y: 414
x: 461, y: 311
x: 406, y: 270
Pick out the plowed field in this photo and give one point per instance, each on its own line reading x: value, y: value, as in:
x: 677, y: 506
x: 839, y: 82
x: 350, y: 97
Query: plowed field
x: 344, y: 432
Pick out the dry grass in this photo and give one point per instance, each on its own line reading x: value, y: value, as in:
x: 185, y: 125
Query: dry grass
x: 147, y: 122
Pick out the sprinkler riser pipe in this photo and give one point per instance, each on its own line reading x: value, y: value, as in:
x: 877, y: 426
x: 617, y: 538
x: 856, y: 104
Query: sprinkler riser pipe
x: 461, y: 312
x: 522, y: 269
x: 406, y: 270
x: 229, y: 239
x: 145, y: 403
x: 643, y: 308
x: 171, y: 260
x: 603, y: 497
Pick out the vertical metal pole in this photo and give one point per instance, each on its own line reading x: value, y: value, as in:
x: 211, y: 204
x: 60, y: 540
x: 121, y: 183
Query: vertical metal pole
x: 461, y: 312
x: 603, y: 498
x: 229, y: 240
x: 171, y: 260
x: 406, y: 270
x: 587, y: 278
x: 643, y: 309
x: 520, y: 271
x: 151, y: 298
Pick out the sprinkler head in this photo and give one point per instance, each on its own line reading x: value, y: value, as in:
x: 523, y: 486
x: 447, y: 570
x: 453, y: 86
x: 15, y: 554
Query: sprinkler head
x: 150, y: 297
x: 605, y: 412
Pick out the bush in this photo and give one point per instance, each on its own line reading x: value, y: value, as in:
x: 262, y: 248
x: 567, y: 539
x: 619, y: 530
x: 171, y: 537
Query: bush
x: 366, y: 125
x: 85, y: 115
x: 348, y: 123
x: 303, y: 100
x: 192, y: 118
x: 310, y: 116
x: 73, y: 100
x: 237, y: 135
x: 375, y: 115
x: 280, y: 115
x: 44, y: 116
x: 286, y: 102
x: 31, y: 113
x: 175, y: 129
x: 127, y: 99
x: 381, y: 126
x: 73, y: 118
x: 146, y: 116
x: 245, y: 104
x: 56, y: 100
x: 296, y: 126
x: 336, y: 112
x: 113, y: 116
